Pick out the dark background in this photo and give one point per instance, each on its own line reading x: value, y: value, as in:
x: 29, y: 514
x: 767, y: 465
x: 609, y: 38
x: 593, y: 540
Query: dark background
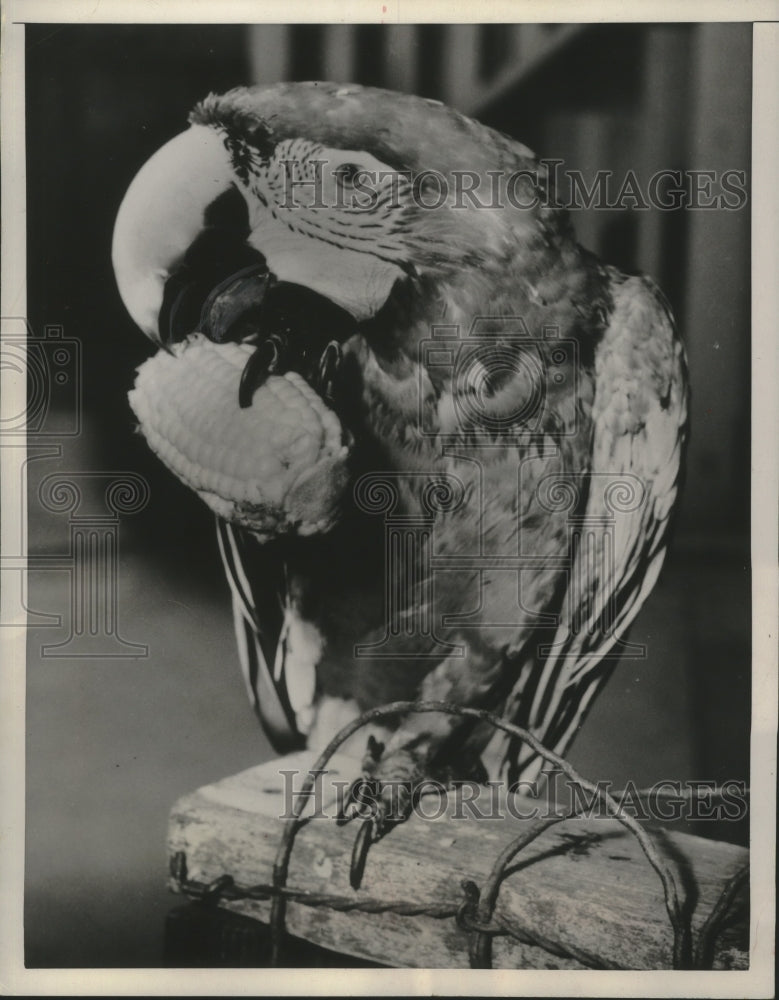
x: 111, y: 743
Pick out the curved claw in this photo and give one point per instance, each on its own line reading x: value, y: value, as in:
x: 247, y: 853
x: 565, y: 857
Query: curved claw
x: 263, y: 362
x: 329, y: 363
x: 362, y: 842
x: 361, y: 797
x: 366, y: 802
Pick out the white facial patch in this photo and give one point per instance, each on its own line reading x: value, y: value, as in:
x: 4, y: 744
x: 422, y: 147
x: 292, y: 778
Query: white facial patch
x: 358, y: 282
x: 332, y: 220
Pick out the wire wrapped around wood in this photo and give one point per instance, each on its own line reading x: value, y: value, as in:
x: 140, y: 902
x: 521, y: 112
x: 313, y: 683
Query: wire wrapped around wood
x: 473, y: 909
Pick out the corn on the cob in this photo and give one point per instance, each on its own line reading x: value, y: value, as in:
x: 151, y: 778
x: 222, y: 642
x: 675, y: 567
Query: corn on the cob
x: 276, y: 466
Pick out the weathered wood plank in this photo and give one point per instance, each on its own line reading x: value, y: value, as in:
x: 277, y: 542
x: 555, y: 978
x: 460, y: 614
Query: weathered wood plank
x: 583, y: 884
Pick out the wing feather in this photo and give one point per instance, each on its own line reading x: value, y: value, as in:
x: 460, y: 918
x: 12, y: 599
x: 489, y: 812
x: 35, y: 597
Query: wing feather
x: 261, y: 630
x: 639, y: 431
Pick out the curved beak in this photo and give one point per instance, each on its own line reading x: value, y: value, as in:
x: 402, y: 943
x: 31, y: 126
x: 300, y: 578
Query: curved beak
x: 184, y: 222
x: 184, y: 262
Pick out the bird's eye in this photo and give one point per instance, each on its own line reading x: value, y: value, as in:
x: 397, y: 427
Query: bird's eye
x: 347, y: 173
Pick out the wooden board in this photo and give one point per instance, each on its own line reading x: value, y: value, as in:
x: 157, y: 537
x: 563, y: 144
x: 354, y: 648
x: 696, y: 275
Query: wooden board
x: 583, y: 885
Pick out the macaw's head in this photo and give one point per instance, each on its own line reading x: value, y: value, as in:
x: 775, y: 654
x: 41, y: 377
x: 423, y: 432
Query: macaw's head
x: 293, y: 216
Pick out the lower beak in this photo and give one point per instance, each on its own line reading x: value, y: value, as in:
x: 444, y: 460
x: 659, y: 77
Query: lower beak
x: 211, y: 300
x: 233, y: 307
x: 290, y: 326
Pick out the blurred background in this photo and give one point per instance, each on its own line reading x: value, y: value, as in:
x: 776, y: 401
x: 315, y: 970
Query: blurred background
x: 113, y: 741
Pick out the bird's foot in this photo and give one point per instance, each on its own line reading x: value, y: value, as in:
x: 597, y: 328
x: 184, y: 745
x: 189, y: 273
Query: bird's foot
x: 380, y: 804
x: 391, y: 785
x: 379, y: 809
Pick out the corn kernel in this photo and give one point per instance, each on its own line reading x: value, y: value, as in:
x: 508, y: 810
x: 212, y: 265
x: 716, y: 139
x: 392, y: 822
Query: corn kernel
x: 279, y: 465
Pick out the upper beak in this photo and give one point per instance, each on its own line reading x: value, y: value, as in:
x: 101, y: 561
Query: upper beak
x: 184, y: 263
x: 167, y: 208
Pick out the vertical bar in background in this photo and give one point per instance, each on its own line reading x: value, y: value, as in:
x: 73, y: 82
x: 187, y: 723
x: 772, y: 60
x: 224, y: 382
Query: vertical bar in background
x: 529, y: 39
x: 459, y: 69
x: 517, y: 33
x: 665, y: 119
x: 586, y: 134
x: 716, y: 316
x: 338, y: 57
x: 269, y: 47
x: 716, y: 323
x: 400, y: 57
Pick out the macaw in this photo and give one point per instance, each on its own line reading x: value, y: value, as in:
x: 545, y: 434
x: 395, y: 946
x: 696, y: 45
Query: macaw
x: 413, y: 265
